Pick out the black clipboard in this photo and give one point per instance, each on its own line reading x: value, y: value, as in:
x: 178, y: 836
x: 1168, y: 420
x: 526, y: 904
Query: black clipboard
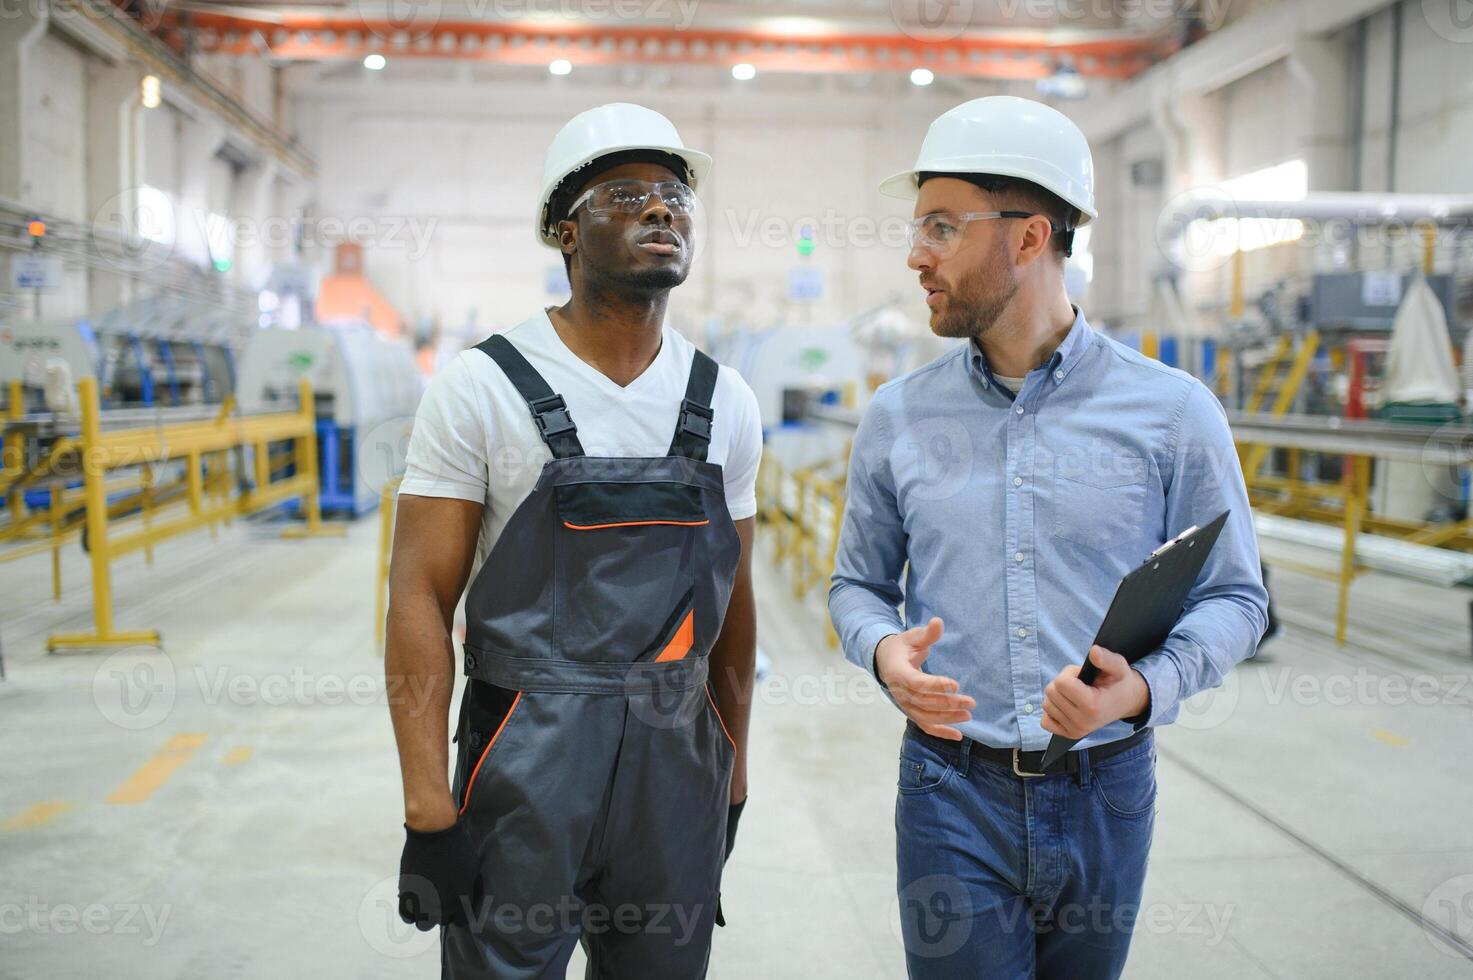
x: 1147, y: 605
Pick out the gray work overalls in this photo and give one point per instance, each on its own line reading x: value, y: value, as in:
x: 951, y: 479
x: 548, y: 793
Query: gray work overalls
x: 593, y: 770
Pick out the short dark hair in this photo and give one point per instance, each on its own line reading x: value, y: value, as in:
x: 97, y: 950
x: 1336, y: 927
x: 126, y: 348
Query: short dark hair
x: 1061, y: 214
x: 562, y: 196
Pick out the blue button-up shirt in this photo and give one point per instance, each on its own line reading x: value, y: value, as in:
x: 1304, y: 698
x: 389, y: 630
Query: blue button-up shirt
x: 1019, y: 515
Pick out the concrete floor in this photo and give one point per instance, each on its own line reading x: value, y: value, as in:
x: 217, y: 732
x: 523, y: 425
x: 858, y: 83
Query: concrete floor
x: 1311, y: 811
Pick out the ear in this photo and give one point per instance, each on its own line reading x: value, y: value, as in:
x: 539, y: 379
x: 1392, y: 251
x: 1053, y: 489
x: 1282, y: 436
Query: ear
x: 1037, y: 239
x: 567, y: 236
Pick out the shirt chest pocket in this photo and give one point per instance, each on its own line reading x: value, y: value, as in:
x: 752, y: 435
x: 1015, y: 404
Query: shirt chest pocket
x: 1099, y: 501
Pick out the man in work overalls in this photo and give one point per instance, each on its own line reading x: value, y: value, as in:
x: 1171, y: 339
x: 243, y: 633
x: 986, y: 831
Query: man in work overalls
x: 599, y: 473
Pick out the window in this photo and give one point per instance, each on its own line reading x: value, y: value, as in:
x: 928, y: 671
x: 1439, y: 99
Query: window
x: 1287, y: 182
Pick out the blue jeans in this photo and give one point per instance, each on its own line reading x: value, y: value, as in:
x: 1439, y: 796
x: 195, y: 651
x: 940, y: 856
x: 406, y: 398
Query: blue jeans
x: 1002, y: 876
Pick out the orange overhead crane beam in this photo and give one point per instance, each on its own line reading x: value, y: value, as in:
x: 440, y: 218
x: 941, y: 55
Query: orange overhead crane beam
x: 314, y: 37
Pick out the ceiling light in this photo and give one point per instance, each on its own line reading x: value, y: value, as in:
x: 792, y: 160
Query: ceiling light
x: 375, y: 62
x: 562, y: 66
x: 922, y: 76
x: 149, y: 91
x: 743, y: 72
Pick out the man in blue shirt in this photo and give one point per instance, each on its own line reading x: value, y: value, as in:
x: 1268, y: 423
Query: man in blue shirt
x: 1019, y: 477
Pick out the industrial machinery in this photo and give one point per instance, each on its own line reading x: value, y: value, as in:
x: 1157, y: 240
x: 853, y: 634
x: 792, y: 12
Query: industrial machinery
x: 792, y: 366
x: 165, y: 351
x: 366, y: 388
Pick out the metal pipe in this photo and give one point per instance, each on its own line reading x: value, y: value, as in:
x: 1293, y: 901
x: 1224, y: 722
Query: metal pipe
x: 1358, y: 103
x: 1393, y: 126
x: 1450, y: 445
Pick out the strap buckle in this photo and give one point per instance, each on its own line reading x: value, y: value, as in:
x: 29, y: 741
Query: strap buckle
x: 695, y: 419
x: 552, y: 416
x: 1023, y: 772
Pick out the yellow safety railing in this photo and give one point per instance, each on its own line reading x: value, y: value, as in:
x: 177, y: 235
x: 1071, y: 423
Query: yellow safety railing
x: 804, y: 510
x: 207, y: 493
x: 12, y: 460
x: 388, y: 505
x: 1346, y: 503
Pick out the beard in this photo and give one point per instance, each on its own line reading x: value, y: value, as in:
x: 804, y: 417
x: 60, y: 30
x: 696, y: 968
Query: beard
x: 974, y: 306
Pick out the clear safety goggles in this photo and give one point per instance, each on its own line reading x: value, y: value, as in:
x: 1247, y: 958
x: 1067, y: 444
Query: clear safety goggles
x: 631, y: 196
x: 942, y: 231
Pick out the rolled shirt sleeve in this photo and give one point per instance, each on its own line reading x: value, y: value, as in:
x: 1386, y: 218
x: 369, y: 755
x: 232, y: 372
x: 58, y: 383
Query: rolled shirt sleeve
x: 865, y: 593
x: 1227, y: 609
x: 744, y: 455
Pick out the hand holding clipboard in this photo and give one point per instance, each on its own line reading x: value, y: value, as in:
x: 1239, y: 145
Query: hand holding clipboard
x: 1147, y: 605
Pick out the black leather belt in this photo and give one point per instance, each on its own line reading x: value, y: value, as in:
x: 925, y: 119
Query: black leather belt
x: 1026, y: 763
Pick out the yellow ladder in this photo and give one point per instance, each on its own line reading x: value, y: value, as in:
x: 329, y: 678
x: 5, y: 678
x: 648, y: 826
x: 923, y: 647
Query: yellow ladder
x: 1278, y: 383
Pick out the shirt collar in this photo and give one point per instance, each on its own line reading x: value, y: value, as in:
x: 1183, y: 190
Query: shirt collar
x: 1069, y: 352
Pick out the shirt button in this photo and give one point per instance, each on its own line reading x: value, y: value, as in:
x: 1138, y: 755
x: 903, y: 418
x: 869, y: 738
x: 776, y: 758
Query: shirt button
x: 1058, y: 375
x: 1022, y: 632
x: 1017, y: 481
x: 1020, y: 409
x: 1017, y: 556
x: 1028, y: 709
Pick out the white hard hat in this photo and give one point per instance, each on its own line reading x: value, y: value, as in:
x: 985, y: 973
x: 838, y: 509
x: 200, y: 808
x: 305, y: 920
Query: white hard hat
x: 1010, y: 137
x: 607, y: 129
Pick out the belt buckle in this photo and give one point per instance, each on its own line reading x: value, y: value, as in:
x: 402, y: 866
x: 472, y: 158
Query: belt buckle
x: 1022, y: 772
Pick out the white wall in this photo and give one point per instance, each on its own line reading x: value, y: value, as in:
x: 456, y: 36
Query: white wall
x: 53, y: 154
x: 85, y: 147
x: 467, y: 164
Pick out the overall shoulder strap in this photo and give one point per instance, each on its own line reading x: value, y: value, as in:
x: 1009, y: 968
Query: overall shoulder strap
x: 693, y: 433
x: 549, y: 410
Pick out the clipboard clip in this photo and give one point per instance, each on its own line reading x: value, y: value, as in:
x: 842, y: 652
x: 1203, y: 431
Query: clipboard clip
x: 1172, y: 543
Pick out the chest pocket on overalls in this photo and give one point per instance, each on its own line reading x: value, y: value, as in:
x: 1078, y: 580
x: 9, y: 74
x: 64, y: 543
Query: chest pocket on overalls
x: 625, y: 567
x: 632, y: 557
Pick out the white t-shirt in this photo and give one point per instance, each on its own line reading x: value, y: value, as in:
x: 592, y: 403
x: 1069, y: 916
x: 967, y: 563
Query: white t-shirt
x: 474, y: 438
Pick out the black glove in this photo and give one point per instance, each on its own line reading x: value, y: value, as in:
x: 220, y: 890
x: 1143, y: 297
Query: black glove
x: 439, y: 877
x: 733, y: 815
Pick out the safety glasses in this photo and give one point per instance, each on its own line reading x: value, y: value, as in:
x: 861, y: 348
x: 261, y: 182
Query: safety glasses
x: 631, y: 196
x: 942, y: 231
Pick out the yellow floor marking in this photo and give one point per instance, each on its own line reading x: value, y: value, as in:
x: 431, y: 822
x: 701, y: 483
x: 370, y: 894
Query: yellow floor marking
x: 1391, y: 738
x: 237, y: 755
x: 156, y: 771
x: 37, y: 816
